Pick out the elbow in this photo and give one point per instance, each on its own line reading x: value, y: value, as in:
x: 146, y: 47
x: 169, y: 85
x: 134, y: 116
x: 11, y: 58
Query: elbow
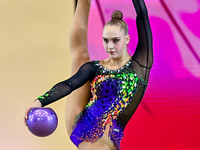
x: 150, y: 62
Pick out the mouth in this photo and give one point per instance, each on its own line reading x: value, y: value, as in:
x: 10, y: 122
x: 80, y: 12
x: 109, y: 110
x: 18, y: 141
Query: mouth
x: 111, y: 53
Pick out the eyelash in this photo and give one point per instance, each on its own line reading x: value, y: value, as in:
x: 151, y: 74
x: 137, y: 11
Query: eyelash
x: 115, y: 40
x: 105, y: 40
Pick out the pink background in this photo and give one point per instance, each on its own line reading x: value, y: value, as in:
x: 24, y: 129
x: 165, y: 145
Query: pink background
x: 34, y: 55
x: 168, y: 118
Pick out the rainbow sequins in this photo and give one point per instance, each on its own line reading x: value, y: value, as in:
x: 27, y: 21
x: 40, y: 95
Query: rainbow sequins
x: 112, y: 91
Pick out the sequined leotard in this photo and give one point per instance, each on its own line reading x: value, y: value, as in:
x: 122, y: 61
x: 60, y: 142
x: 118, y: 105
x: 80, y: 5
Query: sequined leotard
x: 115, y: 94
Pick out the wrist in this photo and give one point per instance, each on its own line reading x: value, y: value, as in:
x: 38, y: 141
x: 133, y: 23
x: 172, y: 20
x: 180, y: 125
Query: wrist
x: 37, y: 103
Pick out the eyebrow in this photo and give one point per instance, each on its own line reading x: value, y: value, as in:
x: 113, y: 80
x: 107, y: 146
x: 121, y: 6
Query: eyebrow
x: 112, y: 38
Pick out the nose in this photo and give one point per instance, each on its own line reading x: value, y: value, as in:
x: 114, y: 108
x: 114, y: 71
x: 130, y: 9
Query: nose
x: 110, y: 45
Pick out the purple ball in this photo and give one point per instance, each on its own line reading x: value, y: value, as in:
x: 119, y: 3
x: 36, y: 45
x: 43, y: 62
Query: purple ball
x: 42, y: 121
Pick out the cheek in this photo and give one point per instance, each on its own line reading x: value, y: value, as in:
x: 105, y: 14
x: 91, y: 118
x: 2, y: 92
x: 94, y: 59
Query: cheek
x: 120, y: 45
x: 104, y: 45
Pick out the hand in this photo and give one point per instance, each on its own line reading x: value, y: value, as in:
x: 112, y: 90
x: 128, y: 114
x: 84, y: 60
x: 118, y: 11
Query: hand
x: 35, y: 104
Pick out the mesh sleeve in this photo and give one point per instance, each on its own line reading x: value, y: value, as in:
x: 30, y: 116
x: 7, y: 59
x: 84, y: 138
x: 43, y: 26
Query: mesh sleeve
x: 142, y: 61
x: 143, y: 55
x: 62, y: 89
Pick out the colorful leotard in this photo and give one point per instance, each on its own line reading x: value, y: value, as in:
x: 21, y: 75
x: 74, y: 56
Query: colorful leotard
x: 115, y: 94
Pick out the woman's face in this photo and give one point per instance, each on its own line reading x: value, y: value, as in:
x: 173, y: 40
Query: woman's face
x: 115, y: 41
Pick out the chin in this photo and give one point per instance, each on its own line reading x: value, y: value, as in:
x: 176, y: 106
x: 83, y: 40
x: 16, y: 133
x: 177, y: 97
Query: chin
x: 114, y: 56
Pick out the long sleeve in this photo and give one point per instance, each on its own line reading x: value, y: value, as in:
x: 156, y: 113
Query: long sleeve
x: 62, y: 89
x: 144, y: 51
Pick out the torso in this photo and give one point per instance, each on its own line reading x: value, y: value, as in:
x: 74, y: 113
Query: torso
x: 115, y: 97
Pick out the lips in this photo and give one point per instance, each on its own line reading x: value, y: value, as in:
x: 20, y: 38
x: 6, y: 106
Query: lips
x: 111, y: 52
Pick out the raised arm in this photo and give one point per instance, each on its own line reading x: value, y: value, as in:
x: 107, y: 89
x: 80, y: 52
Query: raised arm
x: 64, y: 88
x: 144, y: 51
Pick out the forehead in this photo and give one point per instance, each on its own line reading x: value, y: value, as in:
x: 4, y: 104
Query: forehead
x: 112, y: 31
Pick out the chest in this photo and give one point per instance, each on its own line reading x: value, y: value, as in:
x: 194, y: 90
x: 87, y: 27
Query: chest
x: 114, y: 84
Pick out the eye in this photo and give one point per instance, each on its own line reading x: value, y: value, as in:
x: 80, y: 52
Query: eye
x: 105, y: 40
x: 116, y: 40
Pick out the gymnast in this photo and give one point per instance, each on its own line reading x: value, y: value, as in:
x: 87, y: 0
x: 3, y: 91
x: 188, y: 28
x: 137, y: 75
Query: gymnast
x: 107, y: 92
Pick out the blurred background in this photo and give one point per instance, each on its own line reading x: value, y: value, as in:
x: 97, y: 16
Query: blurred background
x: 34, y: 55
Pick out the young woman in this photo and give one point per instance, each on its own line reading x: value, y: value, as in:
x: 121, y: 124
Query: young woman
x: 118, y: 83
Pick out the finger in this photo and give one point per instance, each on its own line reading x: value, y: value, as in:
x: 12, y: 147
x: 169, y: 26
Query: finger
x: 25, y: 122
x: 24, y: 119
x: 26, y: 116
x: 27, y: 112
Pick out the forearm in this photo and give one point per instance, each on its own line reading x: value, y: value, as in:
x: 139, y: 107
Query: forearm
x: 144, y: 50
x: 57, y: 92
x: 64, y: 88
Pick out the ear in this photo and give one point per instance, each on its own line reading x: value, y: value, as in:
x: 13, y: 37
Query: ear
x: 128, y: 39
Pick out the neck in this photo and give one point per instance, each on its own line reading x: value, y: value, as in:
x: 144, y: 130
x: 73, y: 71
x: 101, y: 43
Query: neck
x: 121, y: 60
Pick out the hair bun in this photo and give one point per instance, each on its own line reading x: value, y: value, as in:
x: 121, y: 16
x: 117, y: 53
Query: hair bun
x: 117, y: 14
